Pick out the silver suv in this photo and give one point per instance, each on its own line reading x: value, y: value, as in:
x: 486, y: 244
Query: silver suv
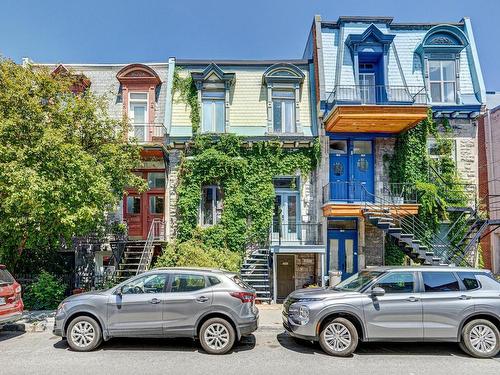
x: 400, y: 304
x: 213, y: 305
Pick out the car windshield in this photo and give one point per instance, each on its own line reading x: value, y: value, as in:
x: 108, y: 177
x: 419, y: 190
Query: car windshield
x: 357, y: 281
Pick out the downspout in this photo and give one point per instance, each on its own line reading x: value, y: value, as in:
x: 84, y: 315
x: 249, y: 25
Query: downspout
x: 168, y: 125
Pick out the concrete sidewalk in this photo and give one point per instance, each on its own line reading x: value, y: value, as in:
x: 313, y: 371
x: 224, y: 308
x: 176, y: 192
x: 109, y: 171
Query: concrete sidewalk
x: 270, y: 317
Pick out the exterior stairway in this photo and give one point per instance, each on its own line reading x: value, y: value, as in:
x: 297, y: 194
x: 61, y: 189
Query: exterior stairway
x: 130, y: 260
x: 256, y: 273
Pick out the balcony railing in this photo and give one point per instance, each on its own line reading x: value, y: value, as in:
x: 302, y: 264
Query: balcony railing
x: 296, y: 234
x: 356, y: 191
x: 377, y: 95
x: 148, y: 133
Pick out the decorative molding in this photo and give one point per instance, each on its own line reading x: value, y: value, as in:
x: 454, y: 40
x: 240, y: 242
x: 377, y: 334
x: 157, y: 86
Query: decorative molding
x: 138, y: 74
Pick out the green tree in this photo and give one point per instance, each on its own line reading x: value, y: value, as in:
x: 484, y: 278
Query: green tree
x: 64, y: 162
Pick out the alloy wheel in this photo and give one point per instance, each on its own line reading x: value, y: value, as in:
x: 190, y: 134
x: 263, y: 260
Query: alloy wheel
x: 482, y: 338
x: 83, y: 334
x: 338, y: 337
x: 216, y: 336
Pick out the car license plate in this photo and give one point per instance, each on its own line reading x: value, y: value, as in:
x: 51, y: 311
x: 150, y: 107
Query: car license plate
x: 2, y: 301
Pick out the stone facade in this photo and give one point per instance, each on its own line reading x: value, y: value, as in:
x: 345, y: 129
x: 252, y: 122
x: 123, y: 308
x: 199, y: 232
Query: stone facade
x: 305, y: 270
x: 373, y: 248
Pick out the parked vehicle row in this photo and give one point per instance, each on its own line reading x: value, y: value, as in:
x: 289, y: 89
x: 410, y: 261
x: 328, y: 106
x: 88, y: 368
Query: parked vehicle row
x: 11, y: 303
x: 214, y: 306
x: 400, y: 304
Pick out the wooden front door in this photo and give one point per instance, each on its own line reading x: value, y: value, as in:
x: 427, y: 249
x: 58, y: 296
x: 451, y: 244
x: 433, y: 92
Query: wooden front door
x: 285, y: 275
x: 133, y: 209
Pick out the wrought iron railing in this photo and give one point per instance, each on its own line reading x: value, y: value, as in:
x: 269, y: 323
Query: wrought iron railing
x: 156, y: 233
x: 148, y: 132
x: 296, y: 233
x: 377, y: 94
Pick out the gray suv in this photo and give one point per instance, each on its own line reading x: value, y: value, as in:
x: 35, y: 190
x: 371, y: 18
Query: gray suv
x: 215, y: 306
x: 400, y: 304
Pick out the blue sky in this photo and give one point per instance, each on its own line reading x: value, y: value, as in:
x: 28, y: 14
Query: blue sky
x: 143, y: 31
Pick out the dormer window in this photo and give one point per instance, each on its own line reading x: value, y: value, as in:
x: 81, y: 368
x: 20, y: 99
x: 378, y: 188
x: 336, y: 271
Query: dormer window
x: 283, y: 83
x: 213, y: 94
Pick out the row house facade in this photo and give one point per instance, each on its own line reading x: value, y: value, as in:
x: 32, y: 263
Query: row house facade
x: 361, y: 82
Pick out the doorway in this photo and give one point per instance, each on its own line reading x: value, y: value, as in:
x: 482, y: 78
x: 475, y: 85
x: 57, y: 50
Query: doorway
x: 343, y: 246
x: 285, y: 275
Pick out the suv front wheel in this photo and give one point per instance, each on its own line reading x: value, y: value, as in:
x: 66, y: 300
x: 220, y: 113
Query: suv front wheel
x: 481, y: 338
x: 339, y: 337
x: 84, y: 334
x: 217, y: 336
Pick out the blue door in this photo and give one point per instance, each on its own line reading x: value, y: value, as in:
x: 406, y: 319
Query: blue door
x: 362, y: 168
x: 343, y: 247
x: 351, y: 170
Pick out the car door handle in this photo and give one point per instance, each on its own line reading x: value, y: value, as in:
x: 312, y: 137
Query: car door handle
x: 202, y: 299
x: 155, y: 301
x: 412, y: 299
x: 464, y: 297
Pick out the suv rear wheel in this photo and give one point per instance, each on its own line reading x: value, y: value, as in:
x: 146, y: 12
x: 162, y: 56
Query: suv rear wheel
x: 339, y: 337
x: 84, y: 334
x: 217, y: 336
x: 481, y: 338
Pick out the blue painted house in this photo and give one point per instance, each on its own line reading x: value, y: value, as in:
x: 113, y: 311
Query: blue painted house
x: 376, y: 78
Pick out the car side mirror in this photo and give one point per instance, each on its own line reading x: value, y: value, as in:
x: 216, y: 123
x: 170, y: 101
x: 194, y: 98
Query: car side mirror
x: 119, y: 291
x: 378, y: 291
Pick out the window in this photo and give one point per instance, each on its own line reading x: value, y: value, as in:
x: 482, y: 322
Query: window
x: 187, y: 283
x: 362, y: 147
x: 213, y: 119
x: 6, y: 278
x: 469, y: 279
x: 338, y: 147
x: 440, y: 152
x: 156, y: 204
x: 138, y: 113
x: 147, y: 284
x: 211, y: 205
x: 440, y: 282
x: 133, y: 204
x: 213, y: 280
x: 284, y: 111
x: 397, y: 282
x: 442, y: 80
x: 289, y: 183
x: 156, y: 180
x: 342, y: 224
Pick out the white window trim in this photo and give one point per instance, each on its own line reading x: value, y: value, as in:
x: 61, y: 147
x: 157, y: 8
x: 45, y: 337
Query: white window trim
x: 442, y: 81
x: 214, y: 205
x: 214, y: 111
x: 283, y: 111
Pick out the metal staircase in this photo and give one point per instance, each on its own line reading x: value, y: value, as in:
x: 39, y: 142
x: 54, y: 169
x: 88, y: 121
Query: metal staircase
x: 255, y: 272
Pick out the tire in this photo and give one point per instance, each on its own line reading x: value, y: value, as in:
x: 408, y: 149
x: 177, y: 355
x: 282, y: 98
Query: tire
x: 481, y: 338
x: 217, y: 336
x: 339, y: 337
x: 83, y: 334
x: 463, y: 347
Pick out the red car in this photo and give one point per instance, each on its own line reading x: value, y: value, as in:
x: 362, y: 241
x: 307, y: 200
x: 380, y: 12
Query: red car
x: 11, y: 304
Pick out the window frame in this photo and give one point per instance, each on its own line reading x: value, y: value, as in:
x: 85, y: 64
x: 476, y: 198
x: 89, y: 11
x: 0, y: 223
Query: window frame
x: 457, y: 279
x: 172, y: 276
x: 215, y: 217
x: 212, y: 100
x: 128, y: 282
x: 442, y: 81
x: 283, y: 100
x: 389, y: 274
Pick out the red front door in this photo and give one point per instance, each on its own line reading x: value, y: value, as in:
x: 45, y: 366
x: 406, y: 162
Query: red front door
x: 139, y: 209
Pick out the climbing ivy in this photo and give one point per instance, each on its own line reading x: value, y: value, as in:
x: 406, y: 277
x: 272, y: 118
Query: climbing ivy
x: 436, y: 190
x: 188, y: 94
x: 245, y: 175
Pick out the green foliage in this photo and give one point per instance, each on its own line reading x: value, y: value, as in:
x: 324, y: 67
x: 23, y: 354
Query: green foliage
x: 189, y: 95
x: 194, y: 253
x: 44, y: 294
x: 393, y: 256
x: 245, y: 175
x: 63, y: 162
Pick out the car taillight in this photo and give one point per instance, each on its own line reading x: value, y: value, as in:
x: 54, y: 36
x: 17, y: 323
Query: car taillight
x: 244, y: 297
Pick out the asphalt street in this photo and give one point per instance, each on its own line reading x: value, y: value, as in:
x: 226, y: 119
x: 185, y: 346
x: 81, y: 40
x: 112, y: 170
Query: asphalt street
x: 269, y: 351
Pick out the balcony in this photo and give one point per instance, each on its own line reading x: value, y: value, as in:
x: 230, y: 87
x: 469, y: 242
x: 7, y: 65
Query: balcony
x: 349, y: 198
x: 375, y: 109
x: 149, y: 133
x: 296, y: 234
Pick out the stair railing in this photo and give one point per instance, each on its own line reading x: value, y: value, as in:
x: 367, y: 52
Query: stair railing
x: 156, y: 233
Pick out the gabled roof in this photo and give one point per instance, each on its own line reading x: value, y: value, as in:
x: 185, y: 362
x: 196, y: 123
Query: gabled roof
x: 371, y: 35
x: 210, y: 70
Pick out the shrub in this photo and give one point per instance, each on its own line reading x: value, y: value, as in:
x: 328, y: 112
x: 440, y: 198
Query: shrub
x: 45, y: 293
x: 194, y: 253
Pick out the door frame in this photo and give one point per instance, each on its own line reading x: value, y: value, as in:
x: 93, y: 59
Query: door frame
x: 284, y: 193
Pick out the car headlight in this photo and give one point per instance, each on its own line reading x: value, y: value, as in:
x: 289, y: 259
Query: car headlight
x: 299, y: 314
x: 60, y: 307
